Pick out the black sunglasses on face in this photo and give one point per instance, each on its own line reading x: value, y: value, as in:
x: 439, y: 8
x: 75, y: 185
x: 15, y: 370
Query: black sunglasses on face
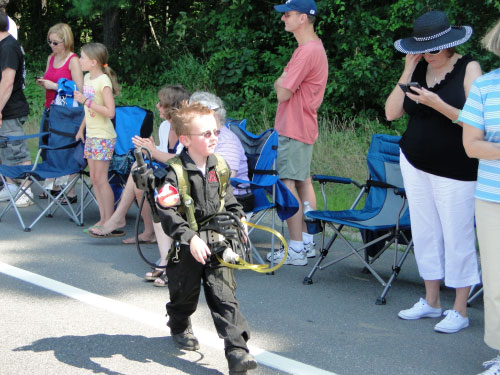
x: 208, y: 133
x: 54, y: 43
x: 435, y: 52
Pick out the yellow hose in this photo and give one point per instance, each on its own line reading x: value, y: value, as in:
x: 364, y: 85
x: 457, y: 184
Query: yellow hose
x: 261, y: 268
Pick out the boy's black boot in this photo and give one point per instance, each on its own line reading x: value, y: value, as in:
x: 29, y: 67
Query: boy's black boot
x: 186, y: 340
x: 240, y: 361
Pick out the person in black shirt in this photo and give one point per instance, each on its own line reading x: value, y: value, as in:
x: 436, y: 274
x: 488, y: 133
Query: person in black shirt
x: 13, y: 105
x: 438, y: 176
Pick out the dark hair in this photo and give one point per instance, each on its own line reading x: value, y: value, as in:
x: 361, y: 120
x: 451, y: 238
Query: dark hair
x: 4, y: 21
x: 171, y: 96
x: 450, y: 51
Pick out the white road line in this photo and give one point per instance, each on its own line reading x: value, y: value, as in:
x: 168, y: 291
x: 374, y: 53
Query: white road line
x: 264, y: 357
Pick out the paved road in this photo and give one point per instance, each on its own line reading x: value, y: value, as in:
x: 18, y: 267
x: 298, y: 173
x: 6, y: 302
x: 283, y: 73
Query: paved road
x: 71, y: 304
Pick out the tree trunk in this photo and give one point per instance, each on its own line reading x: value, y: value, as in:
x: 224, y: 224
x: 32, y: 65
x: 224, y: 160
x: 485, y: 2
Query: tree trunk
x: 111, y: 28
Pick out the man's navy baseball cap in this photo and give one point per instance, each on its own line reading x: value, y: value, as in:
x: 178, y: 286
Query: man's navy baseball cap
x: 302, y: 6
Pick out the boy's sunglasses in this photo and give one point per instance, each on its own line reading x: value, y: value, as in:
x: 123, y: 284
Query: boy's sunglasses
x: 208, y: 133
x: 54, y: 43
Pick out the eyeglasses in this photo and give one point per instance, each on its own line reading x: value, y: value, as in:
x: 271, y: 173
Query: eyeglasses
x: 54, y: 43
x: 208, y: 133
x: 435, y: 52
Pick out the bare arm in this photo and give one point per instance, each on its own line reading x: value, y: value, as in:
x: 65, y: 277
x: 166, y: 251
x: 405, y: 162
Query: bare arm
x: 6, y: 85
x: 394, y: 103
x: 107, y: 110
x: 76, y: 72
x: 79, y: 135
x: 433, y: 100
x: 282, y: 94
x: 475, y: 145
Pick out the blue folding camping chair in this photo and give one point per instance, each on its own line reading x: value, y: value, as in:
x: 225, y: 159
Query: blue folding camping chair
x: 271, y: 196
x: 62, y: 156
x: 385, y: 214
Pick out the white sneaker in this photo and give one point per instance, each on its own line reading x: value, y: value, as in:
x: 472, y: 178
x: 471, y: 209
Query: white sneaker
x: 420, y: 310
x: 453, y: 322
x: 4, y: 195
x: 24, y: 200
x: 278, y: 254
x: 494, y: 367
x: 293, y: 258
x: 309, y: 249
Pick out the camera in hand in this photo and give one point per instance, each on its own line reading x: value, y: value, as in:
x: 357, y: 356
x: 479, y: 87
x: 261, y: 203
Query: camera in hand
x: 408, y: 86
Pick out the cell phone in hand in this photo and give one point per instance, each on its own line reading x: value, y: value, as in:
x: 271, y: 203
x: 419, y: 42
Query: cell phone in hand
x: 406, y: 87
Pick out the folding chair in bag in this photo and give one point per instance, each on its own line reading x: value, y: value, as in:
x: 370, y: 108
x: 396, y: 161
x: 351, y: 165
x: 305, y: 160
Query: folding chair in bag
x: 385, y: 215
x: 129, y: 121
x: 271, y: 196
x: 63, y: 156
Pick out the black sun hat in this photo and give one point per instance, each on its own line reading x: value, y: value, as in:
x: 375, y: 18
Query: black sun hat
x: 432, y: 31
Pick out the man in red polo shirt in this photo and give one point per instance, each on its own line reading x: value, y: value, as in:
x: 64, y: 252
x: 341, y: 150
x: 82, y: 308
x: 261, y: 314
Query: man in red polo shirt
x: 299, y: 91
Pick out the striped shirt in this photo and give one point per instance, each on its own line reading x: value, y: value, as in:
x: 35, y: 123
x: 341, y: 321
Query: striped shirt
x: 482, y: 110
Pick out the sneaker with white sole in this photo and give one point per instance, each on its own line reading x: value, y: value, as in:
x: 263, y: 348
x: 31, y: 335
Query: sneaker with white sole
x: 309, y: 249
x: 420, y: 310
x: 493, y: 367
x: 4, y: 195
x: 278, y: 254
x: 24, y: 200
x: 294, y: 258
x: 453, y: 322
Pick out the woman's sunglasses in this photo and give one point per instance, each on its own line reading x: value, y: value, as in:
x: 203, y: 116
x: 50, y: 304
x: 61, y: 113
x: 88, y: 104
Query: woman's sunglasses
x: 54, y: 43
x: 435, y: 52
x: 208, y: 133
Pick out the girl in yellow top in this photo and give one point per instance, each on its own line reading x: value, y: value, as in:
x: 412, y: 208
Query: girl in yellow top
x: 99, y: 88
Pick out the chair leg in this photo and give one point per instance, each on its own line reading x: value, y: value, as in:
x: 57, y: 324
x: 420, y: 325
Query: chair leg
x: 395, y: 272
x: 322, y: 255
x: 308, y: 279
x: 474, y: 296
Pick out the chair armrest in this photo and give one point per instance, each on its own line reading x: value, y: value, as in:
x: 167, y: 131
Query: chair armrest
x: 401, y: 192
x: 21, y: 137
x: 323, y: 179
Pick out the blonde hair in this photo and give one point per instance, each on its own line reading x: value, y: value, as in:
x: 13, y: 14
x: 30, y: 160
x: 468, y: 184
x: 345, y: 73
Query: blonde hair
x: 171, y: 97
x: 182, y: 117
x: 491, y: 41
x: 63, y: 31
x: 99, y: 53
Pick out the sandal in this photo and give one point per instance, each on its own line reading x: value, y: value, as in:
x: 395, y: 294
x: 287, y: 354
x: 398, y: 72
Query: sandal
x: 162, y: 280
x: 71, y: 200
x: 154, y: 274
x: 92, y: 233
x: 44, y: 195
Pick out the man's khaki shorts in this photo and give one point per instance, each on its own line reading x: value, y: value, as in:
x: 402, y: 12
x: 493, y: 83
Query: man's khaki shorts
x: 13, y: 152
x: 294, y: 159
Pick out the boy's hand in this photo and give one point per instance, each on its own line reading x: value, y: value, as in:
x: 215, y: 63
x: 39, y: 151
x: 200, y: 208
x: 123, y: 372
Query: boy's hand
x: 199, y: 249
x: 245, y: 227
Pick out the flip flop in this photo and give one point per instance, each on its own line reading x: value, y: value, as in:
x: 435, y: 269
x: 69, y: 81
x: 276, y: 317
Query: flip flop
x: 141, y: 242
x: 115, y: 233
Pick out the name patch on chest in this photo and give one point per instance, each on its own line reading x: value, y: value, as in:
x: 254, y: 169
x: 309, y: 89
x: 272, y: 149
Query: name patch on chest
x: 212, y: 176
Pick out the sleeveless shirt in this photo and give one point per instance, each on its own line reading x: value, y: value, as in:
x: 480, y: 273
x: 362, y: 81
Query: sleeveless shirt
x: 54, y: 74
x: 432, y: 142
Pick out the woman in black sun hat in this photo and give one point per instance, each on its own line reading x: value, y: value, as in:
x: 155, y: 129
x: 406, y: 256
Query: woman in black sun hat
x: 438, y: 176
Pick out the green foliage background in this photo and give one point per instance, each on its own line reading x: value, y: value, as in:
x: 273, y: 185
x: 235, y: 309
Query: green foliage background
x: 237, y: 48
